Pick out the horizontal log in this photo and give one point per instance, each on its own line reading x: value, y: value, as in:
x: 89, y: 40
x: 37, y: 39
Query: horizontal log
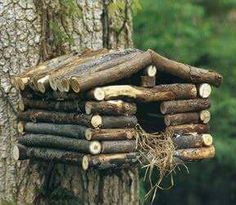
x: 70, y: 106
x: 52, y: 141
x: 187, y: 72
x: 109, y: 161
x: 195, y: 154
x: 187, y: 118
x: 148, y: 82
x: 94, y: 121
x: 110, y: 134
x: 189, y: 128
x: 192, y: 140
x: 113, y: 74
x: 120, y: 146
x: 157, y: 93
x: 112, y: 107
x: 21, y: 152
x: 180, y: 106
x: 67, y: 130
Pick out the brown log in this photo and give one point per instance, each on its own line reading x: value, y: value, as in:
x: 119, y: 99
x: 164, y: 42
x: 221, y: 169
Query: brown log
x: 66, y: 130
x: 204, y: 90
x: 112, y: 107
x: 115, y: 73
x: 108, y: 161
x: 186, y: 118
x: 189, y: 128
x: 148, y: 82
x: 94, y: 121
x: 194, y: 154
x: 110, y: 134
x: 187, y: 72
x: 53, y: 141
x: 69, y: 106
x: 192, y: 140
x: 157, y: 93
x: 180, y: 106
x: 21, y: 152
x: 120, y: 146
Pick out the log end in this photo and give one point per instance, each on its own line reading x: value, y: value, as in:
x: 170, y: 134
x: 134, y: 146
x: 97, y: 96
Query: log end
x: 207, y: 139
x: 40, y: 87
x: 204, y: 90
x: 21, y: 106
x: 99, y: 94
x: 150, y: 71
x: 96, y: 121
x: 88, y: 108
x: 52, y: 84
x: 66, y: 85
x: 88, y: 134
x: 19, y: 152
x: 74, y: 83
x: 205, y: 116
x: 59, y: 86
x: 85, y: 162
x: 21, y: 127
x: 95, y: 147
x: 163, y: 108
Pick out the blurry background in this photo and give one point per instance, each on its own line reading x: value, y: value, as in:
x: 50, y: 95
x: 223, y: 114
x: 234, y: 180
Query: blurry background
x: 200, y: 33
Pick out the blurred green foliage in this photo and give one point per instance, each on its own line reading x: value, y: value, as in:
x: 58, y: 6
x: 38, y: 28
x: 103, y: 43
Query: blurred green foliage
x: 201, y: 33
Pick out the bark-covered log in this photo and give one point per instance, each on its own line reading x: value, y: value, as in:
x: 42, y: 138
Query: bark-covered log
x: 148, y: 81
x: 180, y: 106
x: 94, y: 121
x: 111, y: 107
x: 52, y: 141
x: 189, y: 128
x: 70, y: 106
x: 204, y: 90
x: 67, y: 130
x: 187, y: 118
x: 187, y: 72
x: 157, y: 93
x: 108, y: 161
x: 110, y: 134
x: 47, y: 154
x: 118, y: 72
x: 192, y: 140
x: 195, y: 154
x: 120, y: 146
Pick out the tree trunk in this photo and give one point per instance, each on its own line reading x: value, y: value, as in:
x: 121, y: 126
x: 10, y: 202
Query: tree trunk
x: 26, y: 39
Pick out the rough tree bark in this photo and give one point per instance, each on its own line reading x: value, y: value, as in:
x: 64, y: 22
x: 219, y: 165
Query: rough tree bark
x: 27, y: 39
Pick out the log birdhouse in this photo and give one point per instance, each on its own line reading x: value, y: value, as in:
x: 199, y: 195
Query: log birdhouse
x: 88, y: 109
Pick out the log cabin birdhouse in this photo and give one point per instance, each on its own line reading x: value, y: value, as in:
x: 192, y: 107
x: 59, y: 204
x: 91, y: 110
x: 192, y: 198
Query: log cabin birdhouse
x: 94, y: 108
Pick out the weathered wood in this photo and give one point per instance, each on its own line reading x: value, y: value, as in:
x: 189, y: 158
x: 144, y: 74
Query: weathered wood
x: 115, y: 73
x: 112, y: 107
x: 69, y: 106
x: 67, y: 130
x: 187, y: 72
x: 186, y: 118
x: 120, y: 146
x: 148, y: 82
x: 180, y: 106
x: 189, y: 128
x: 194, y: 154
x: 110, y: 161
x: 192, y: 140
x: 47, y: 154
x: 52, y: 141
x: 204, y: 90
x: 110, y: 134
x: 157, y: 93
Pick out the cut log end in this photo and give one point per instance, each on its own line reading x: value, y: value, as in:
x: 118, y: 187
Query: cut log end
x: 60, y: 86
x: 20, y: 127
x: 74, y: 83
x: 40, y: 87
x: 15, y: 153
x: 150, y: 71
x: 85, y: 162
x: 204, y: 90
x: 88, y: 108
x: 19, y: 152
x: 88, y: 134
x: 96, y: 121
x: 95, y: 147
x: 99, y: 94
x: 21, y: 106
x: 207, y: 139
x: 52, y: 84
x: 205, y: 116
x: 66, y: 85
